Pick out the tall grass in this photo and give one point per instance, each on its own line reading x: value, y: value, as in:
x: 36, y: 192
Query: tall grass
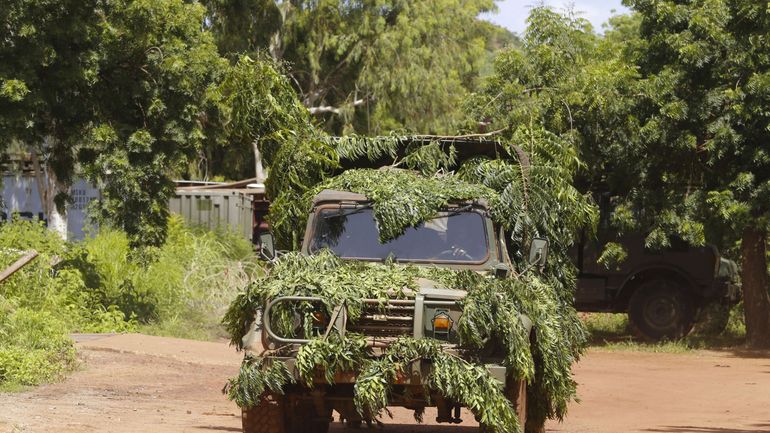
x: 180, y: 289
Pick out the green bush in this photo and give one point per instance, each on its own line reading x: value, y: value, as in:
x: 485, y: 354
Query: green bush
x: 181, y: 288
x: 35, y: 347
x: 51, y: 283
x: 40, y: 304
x: 102, y: 285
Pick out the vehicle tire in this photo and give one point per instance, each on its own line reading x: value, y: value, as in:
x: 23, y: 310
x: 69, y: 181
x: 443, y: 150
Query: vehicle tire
x: 304, y: 418
x: 266, y: 417
x: 516, y: 392
x: 661, y: 309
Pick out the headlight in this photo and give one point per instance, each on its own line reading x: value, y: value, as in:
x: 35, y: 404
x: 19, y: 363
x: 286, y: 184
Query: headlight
x: 442, y: 325
x: 320, y: 322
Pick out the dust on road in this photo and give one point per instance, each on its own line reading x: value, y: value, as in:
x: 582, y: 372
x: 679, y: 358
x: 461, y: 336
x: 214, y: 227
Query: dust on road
x: 138, y: 383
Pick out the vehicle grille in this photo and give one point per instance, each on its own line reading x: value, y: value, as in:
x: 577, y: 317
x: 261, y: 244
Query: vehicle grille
x: 384, y: 320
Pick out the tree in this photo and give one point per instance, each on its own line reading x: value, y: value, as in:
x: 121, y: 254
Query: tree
x: 705, y: 67
x: 116, y: 88
x: 667, y: 113
x: 569, y: 81
x: 257, y: 110
x: 367, y: 66
x: 50, y: 59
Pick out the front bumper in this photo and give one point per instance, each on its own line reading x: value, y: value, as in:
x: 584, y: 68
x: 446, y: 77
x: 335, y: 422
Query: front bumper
x: 414, y: 377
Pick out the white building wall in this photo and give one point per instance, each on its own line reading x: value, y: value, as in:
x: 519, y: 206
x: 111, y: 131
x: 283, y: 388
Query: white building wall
x: 20, y: 196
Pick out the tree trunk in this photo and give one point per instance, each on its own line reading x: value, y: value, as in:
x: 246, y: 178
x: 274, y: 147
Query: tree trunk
x: 756, y: 301
x: 48, y: 187
x: 259, y: 169
x: 276, y: 41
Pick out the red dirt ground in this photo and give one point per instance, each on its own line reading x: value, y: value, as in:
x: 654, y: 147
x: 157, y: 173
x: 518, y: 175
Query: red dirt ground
x: 137, y: 383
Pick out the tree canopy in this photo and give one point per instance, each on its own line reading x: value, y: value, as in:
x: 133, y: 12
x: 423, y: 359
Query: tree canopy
x: 704, y: 69
x: 666, y: 113
x: 368, y: 66
x: 115, y: 88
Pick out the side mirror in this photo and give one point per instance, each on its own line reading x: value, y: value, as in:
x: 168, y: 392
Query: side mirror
x: 266, y: 246
x: 538, y: 252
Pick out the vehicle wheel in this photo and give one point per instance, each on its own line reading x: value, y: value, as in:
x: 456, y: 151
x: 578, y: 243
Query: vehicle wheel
x: 516, y: 392
x: 661, y: 309
x: 304, y: 418
x: 266, y: 417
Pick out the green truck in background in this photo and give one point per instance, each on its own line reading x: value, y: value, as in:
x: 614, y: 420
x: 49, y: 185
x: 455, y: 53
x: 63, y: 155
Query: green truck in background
x: 663, y: 290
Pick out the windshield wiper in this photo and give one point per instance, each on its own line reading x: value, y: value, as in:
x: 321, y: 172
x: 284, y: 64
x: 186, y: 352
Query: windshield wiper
x: 457, y: 211
x: 357, y: 209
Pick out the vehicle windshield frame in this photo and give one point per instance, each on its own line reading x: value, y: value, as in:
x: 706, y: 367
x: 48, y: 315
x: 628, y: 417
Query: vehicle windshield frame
x: 474, y: 208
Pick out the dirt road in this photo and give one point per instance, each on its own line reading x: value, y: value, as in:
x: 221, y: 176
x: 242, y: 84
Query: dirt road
x: 136, y: 383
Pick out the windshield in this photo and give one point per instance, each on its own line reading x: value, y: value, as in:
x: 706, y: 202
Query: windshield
x: 459, y: 237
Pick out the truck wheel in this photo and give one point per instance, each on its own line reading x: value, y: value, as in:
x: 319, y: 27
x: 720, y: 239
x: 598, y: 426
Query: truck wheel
x: 304, y: 418
x: 516, y: 392
x: 661, y: 309
x: 266, y: 417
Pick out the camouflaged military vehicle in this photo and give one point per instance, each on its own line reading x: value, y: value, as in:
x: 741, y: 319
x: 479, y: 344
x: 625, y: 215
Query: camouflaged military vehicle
x: 462, y: 236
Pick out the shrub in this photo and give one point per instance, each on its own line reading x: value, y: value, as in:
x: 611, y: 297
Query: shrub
x: 178, y: 289
x: 35, y: 347
x: 102, y: 285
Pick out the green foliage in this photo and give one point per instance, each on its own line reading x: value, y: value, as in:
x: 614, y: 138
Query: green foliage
x: 330, y: 356
x: 703, y: 87
x: 613, y: 255
x: 370, y: 66
x: 491, y: 315
x: 403, y: 199
x: 256, y: 105
x: 455, y: 378
x: 492, y: 309
x: 34, y: 348
x: 536, y: 195
x: 322, y: 275
x: 299, y: 165
x: 528, y: 196
x: 533, y: 196
x: 101, y: 285
x: 567, y: 88
x: 57, y: 289
x: 50, y: 60
x: 114, y: 88
x: 156, y: 66
x: 38, y: 306
x: 703, y: 97
x: 254, y: 379
x: 179, y: 288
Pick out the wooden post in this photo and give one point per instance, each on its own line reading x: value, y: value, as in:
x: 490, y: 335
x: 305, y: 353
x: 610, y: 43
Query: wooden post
x: 10, y: 270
